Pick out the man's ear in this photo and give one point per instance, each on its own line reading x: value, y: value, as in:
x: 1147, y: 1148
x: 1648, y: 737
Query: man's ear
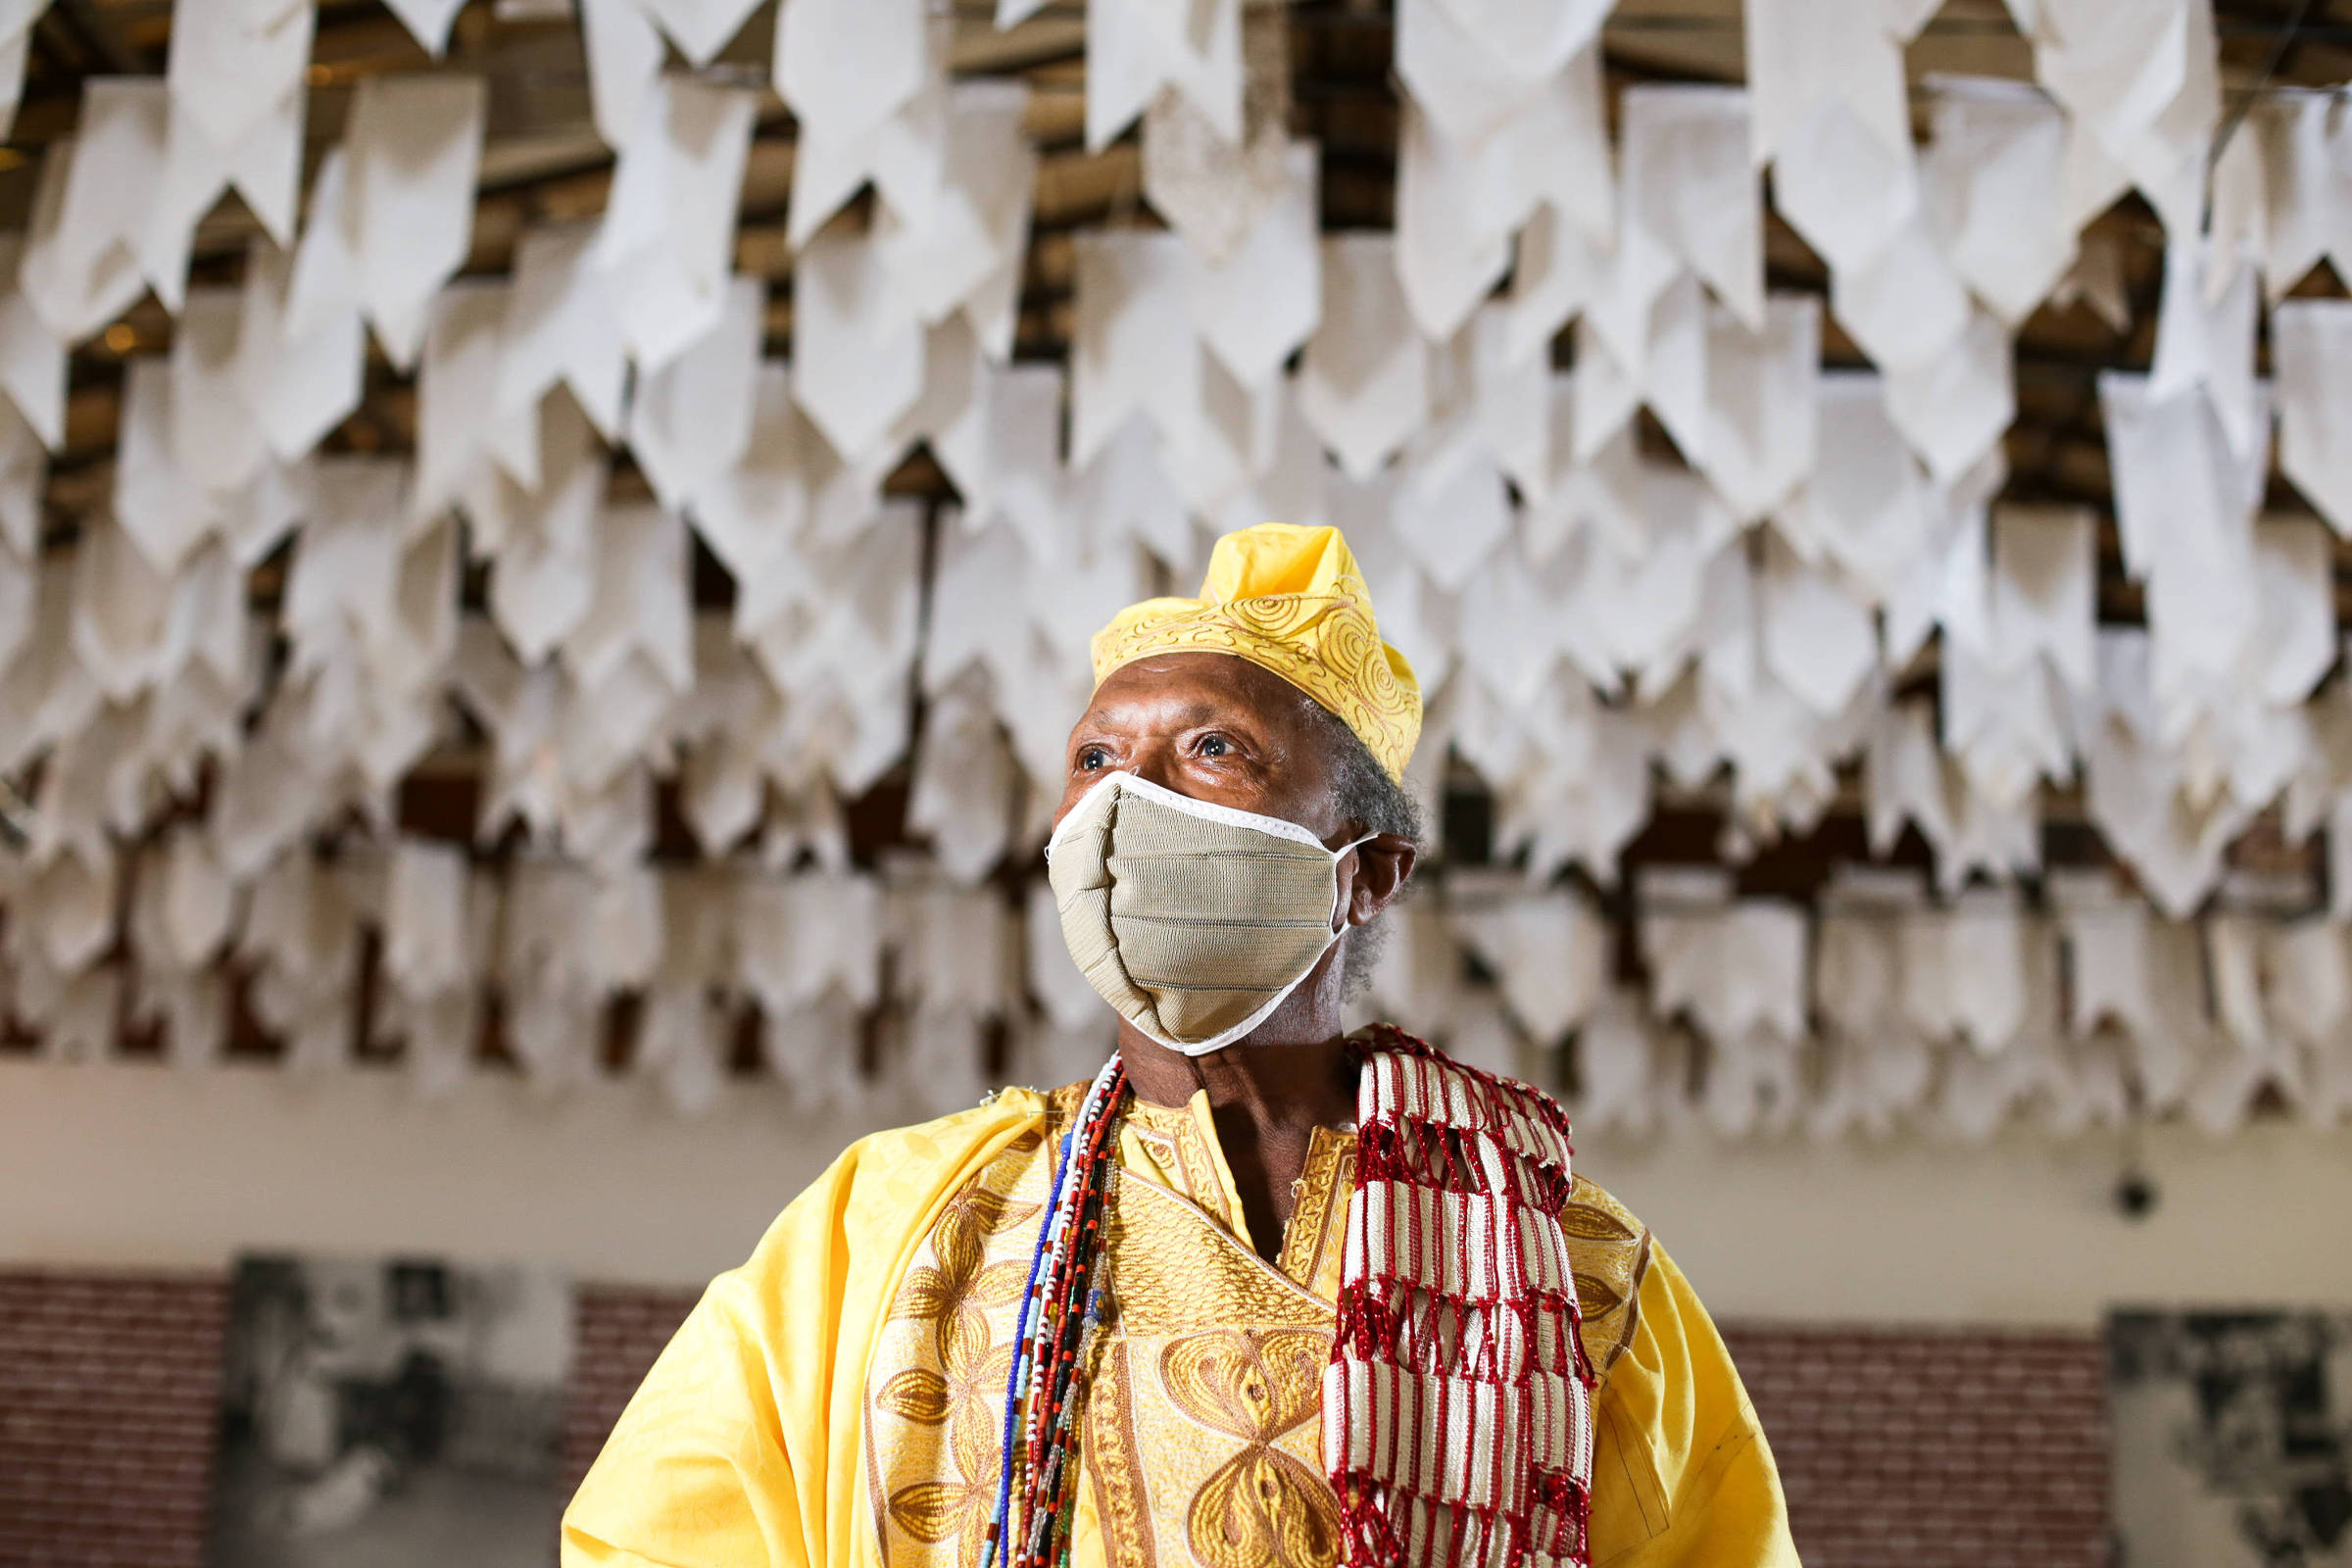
x: 1383, y: 864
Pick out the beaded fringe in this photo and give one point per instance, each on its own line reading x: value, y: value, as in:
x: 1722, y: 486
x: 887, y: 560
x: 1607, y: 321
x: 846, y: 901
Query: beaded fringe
x: 1457, y: 1420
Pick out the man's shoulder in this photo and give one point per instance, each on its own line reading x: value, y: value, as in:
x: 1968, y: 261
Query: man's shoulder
x: 919, y: 1151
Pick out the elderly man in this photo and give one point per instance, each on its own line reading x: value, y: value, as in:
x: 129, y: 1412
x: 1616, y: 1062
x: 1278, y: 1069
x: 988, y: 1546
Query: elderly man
x: 1263, y: 1293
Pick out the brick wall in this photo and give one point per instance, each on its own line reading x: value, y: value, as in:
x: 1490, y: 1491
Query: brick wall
x: 1917, y: 1448
x: 1935, y: 1448
x: 107, y: 1388
x: 620, y: 1332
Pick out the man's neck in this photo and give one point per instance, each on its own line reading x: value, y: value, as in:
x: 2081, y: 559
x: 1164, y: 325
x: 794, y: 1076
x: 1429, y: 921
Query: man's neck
x: 1300, y: 1084
x: 1267, y: 1093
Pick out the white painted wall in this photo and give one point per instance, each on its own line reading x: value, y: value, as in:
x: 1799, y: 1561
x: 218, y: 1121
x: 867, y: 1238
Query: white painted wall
x: 139, y: 1166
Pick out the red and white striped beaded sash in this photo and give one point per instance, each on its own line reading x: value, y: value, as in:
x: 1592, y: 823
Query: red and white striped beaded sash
x: 1457, y: 1407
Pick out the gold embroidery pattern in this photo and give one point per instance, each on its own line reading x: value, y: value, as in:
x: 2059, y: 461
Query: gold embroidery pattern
x: 1318, y: 1228
x: 1187, y: 1154
x: 1176, y: 1278
x: 1262, y: 1506
x: 1113, y: 1461
x: 938, y: 1411
x: 1609, y: 1250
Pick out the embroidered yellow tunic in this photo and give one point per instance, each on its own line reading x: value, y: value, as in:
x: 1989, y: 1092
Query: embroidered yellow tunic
x: 838, y: 1402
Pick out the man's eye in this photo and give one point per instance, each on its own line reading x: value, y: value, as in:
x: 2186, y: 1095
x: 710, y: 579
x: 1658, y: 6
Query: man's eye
x: 1214, y: 746
x: 1093, y: 758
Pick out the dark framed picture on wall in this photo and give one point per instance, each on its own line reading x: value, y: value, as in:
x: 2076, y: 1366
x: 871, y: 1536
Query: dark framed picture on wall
x: 2232, y: 1438
x: 390, y: 1411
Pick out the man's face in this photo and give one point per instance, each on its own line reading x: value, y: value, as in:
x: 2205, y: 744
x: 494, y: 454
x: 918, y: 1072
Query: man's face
x: 1211, y: 726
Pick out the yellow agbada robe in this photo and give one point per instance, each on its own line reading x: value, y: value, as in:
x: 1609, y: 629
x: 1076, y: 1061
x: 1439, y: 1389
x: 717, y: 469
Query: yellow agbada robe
x: 838, y: 1400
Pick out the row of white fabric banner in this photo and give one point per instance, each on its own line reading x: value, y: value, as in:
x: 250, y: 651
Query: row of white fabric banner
x: 1587, y: 618
x: 1876, y: 1012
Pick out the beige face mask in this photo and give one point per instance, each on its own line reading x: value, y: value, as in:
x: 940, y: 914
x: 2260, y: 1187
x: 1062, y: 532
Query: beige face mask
x: 1194, y: 920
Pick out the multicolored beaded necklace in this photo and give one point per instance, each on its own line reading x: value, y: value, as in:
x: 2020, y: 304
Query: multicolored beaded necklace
x: 1053, y: 1340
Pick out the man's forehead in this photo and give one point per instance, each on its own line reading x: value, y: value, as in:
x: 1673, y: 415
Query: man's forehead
x: 1194, y: 688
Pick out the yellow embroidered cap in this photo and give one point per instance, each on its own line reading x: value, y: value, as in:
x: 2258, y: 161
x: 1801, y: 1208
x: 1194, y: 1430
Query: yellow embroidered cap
x: 1289, y: 600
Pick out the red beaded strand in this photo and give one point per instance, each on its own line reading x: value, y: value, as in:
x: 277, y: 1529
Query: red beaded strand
x: 1070, y: 1312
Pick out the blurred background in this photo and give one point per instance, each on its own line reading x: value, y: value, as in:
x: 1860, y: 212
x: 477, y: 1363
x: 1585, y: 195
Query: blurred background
x: 546, y: 562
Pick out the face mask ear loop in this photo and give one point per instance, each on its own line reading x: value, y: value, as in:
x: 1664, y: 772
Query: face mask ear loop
x: 1338, y: 908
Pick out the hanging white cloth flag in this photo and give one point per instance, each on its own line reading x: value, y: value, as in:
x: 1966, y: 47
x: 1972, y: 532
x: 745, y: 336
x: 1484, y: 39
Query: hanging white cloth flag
x: 427, y: 21
x: 1364, y: 381
x: 122, y: 613
x: 1135, y: 48
x: 215, y: 440
x: 1253, y: 309
x: 643, y: 601
x: 753, y: 517
x: 1213, y: 188
x: 2111, y: 956
x: 198, y: 903
x: 1817, y: 637
x: 2305, y: 167
x: 1761, y: 406
x: 17, y: 18
x: 2044, y: 591
x: 2311, y: 355
x: 33, y: 362
x: 425, y: 920
x: 1905, y: 307
x: 2184, y: 507
x: 1133, y: 348
x: 1844, y: 188
x: 1618, y: 1074
x: 1559, y: 271
x: 561, y: 326
x: 460, y: 428
x: 624, y: 60
x: 858, y: 346
x: 2148, y: 93
x: 1994, y: 176
x: 2205, y: 340
x: 1456, y: 211
x: 414, y: 146
x: 682, y: 1041
x: 299, y: 384
x: 265, y: 167
x: 325, y: 280
x: 23, y: 478
x: 1471, y: 63
x: 690, y: 422
x: 1546, y: 949
x: 2310, y: 981
x: 955, y: 244
x: 849, y: 64
x: 1691, y: 197
x: 666, y: 245
x: 1953, y: 409
x: 1452, y: 517
x: 2135, y: 786
x: 700, y: 28
x: 1804, y: 56
x: 2295, y: 645
x: 965, y: 782
x: 233, y: 60
x: 81, y: 272
x: 543, y: 544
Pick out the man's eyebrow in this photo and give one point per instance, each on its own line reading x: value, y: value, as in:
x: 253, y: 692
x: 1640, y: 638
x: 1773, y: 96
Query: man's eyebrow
x: 1190, y: 715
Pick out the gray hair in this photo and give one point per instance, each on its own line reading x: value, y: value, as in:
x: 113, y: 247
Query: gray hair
x: 1369, y: 802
